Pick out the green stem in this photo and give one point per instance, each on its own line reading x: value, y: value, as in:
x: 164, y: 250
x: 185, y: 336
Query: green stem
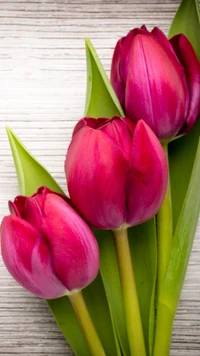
x: 164, y: 325
x: 129, y: 291
x: 86, y: 324
x: 164, y: 234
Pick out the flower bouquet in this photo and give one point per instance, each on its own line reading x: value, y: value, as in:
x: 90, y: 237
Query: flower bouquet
x: 111, y: 258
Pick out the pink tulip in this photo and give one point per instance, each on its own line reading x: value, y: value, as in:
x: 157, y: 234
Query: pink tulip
x: 157, y: 80
x: 47, y: 247
x: 116, y: 172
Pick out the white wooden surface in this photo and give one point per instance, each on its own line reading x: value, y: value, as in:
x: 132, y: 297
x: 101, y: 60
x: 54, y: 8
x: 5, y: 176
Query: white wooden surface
x: 42, y: 90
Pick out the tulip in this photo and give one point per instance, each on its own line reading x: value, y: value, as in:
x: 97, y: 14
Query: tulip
x: 116, y: 172
x: 47, y: 247
x: 157, y: 80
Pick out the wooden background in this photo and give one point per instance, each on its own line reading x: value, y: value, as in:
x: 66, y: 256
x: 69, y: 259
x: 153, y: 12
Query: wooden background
x: 42, y: 93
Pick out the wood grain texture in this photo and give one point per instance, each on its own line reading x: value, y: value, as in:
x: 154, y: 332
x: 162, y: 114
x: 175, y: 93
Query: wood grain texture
x: 42, y: 93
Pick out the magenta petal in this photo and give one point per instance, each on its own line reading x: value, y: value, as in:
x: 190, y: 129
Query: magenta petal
x: 89, y: 121
x: 156, y: 87
x: 120, y: 130
x: 28, y: 259
x: 96, y: 172
x: 188, y: 58
x: 32, y: 211
x: 17, y: 207
x: 162, y: 39
x: 115, y: 76
x: 126, y: 48
x: 147, y: 181
x: 74, y: 248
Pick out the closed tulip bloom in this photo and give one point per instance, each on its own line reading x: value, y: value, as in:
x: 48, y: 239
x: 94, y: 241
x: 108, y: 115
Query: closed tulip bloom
x: 157, y: 80
x: 47, y: 247
x: 116, y: 172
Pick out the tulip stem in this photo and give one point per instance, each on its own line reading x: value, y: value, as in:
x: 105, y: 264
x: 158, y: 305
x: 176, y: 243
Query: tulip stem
x: 86, y: 324
x: 164, y: 233
x: 129, y: 291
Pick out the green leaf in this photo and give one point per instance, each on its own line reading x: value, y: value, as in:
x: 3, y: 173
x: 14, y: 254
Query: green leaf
x: 181, y: 159
x: 182, y: 151
x: 30, y: 173
x: 178, y: 261
x: 64, y: 315
x: 31, y: 176
x: 97, y: 305
x: 101, y: 100
x: 143, y: 245
x: 183, y: 240
x: 110, y: 276
x: 186, y: 21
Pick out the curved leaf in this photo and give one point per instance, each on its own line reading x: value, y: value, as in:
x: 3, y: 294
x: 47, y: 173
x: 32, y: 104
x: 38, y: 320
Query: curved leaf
x: 181, y: 159
x: 101, y: 100
x: 183, y: 239
x: 182, y: 151
x: 178, y: 261
x: 110, y: 276
x: 143, y: 245
x: 31, y: 175
x: 186, y: 21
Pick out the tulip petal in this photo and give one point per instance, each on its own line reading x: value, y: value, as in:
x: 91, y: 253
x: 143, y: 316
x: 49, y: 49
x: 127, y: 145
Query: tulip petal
x: 32, y: 211
x: 96, y: 171
x: 28, y: 259
x: 88, y: 121
x: 156, y: 87
x: 162, y: 39
x: 188, y: 58
x: 120, y: 63
x: 73, y: 246
x: 17, y: 207
x: 44, y: 191
x: 125, y: 51
x: 115, y: 77
x: 147, y: 181
x: 120, y: 130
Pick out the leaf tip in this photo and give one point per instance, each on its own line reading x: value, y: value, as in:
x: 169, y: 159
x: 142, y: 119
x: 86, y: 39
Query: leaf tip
x: 9, y: 132
x: 87, y: 40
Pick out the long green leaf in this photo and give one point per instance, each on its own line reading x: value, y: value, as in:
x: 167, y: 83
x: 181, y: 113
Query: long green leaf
x: 64, y: 315
x: 110, y: 276
x: 143, y: 244
x: 31, y: 176
x: 182, y: 151
x: 178, y: 261
x: 181, y: 159
x: 101, y: 101
x: 183, y: 239
x: 30, y: 173
x: 186, y: 21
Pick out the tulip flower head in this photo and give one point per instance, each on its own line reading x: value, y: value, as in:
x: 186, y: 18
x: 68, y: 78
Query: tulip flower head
x: 116, y: 172
x: 157, y: 80
x: 47, y: 247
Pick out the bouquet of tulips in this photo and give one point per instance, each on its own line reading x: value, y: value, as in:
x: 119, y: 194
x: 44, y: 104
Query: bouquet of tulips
x: 111, y: 258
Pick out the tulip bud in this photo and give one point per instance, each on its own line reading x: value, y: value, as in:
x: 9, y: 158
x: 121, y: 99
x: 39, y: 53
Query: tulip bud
x: 47, y: 247
x: 158, y: 81
x: 116, y: 172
